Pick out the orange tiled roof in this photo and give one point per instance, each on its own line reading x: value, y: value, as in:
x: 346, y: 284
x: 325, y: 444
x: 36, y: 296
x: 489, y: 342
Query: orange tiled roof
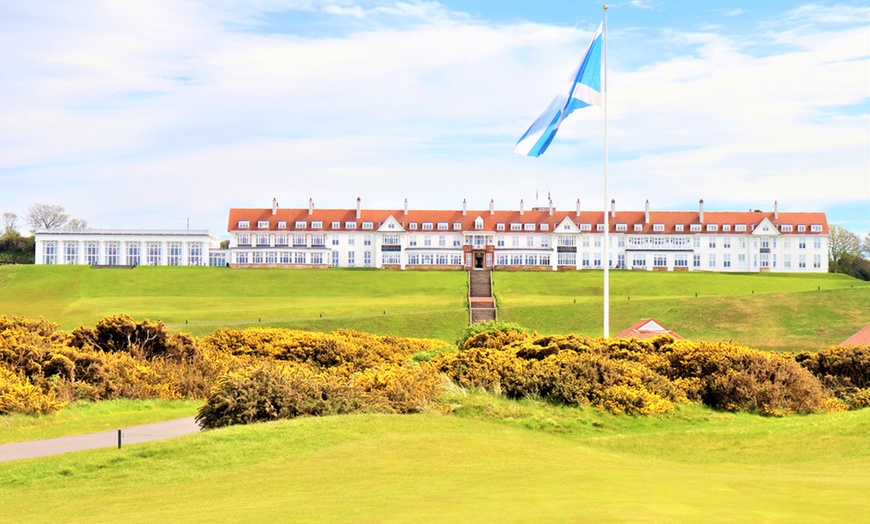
x: 646, y: 328
x: 668, y: 219
x: 860, y: 338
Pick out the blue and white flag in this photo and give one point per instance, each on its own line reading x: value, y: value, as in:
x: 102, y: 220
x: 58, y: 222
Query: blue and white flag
x: 584, y: 91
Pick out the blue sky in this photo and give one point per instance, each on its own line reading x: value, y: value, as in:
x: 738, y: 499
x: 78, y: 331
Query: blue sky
x: 147, y: 114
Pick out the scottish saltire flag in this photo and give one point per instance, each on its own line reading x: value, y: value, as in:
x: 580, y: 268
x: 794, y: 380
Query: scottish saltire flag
x: 584, y: 91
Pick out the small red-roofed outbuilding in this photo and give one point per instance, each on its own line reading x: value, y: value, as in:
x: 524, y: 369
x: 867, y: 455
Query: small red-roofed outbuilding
x: 646, y: 328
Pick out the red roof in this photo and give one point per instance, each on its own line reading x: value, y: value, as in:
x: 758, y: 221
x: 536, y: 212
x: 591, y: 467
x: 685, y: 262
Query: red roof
x: 646, y: 328
x: 668, y: 220
x: 860, y: 338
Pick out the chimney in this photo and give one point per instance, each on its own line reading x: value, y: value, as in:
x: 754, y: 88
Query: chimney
x: 310, y: 206
x: 491, y: 207
x: 646, y: 213
x: 463, y: 207
x: 612, y: 208
x: 701, y: 210
x: 521, y: 207
x: 551, y: 206
x: 406, y: 206
x: 274, y: 206
x: 358, y: 204
x: 578, y: 207
x: 775, y: 210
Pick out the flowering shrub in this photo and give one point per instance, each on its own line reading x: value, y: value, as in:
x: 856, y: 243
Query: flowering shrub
x: 843, y: 369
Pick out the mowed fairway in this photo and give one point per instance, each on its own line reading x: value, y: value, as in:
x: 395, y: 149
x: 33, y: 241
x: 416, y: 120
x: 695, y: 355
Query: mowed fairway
x: 185, y: 296
x: 494, y: 461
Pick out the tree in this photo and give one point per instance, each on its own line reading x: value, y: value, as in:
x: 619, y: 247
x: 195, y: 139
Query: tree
x: 46, y: 216
x: 841, y: 243
x: 75, y: 223
x: 10, y: 224
x: 865, y: 247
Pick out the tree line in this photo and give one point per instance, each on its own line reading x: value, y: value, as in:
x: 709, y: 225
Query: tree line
x: 848, y: 253
x: 16, y: 248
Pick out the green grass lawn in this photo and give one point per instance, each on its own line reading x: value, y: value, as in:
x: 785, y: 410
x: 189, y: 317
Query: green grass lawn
x: 786, y: 312
x: 188, y: 296
x: 493, y: 460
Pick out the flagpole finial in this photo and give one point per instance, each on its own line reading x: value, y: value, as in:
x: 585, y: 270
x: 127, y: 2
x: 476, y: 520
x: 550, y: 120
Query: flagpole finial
x: 605, y: 7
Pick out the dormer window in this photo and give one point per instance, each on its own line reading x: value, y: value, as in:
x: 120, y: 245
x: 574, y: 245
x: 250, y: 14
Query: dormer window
x: 478, y: 223
x: 585, y: 227
x: 457, y: 226
x: 367, y: 225
x: 638, y: 227
x: 816, y: 228
x: 658, y: 227
x: 545, y: 227
x: 622, y: 227
x: 282, y: 224
x: 499, y: 226
x: 315, y: 224
x: 263, y: 224
x: 786, y: 228
x: 678, y: 227
x: 740, y: 227
x: 350, y: 225
x: 442, y: 226
x: 695, y: 228
x: 516, y: 226
x: 801, y: 228
x: 726, y: 227
x: 244, y: 224
x: 336, y: 225
x: 712, y: 227
x: 427, y: 226
x: 528, y: 226
x: 300, y: 224
x: 599, y: 227
x: 412, y: 226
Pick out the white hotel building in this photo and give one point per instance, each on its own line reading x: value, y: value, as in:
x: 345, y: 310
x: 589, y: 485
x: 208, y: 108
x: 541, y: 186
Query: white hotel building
x: 536, y: 239
x: 125, y: 247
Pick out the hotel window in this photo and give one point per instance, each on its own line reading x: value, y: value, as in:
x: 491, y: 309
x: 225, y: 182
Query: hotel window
x: 726, y: 242
x: 802, y: 261
x: 585, y: 260
x: 351, y: 241
x: 638, y: 261
x: 244, y: 224
x: 154, y: 253
x: 442, y: 226
x: 515, y: 241
x: 427, y: 226
x: 726, y: 227
x: 336, y: 225
x: 412, y: 226
x: 133, y: 254
x: 785, y: 228
x: 678, y: 227
x: 816, y: 228
x: 712, y: 260
x: 257, y: 257
x: 367, y: 240
x: 545, y: 227
x: 317, y: 258
x: 427, y: 240
x: 350, y: 225
x: 194, y: 254
x: 92, y: 253
x: 318, y: 240
x: 638, y: 227
x: 786, y: 243
x: 711, y: 242
x: 741, y: 261
x: 696, y: 260
x: 391, y: 239
x: 740, y: 227
x: 335, y: 260
x: 242, y: 257
x: 442, y: 240
x: 367, y: 259
x: 457, y: 226
x: 599, y: 227
x: 712, y: 227
x: 529, y: 226
x: 174, y: 253
x: 335, y: 241
x: 70, y: 252
x: 695, y: 227
x: 412, y: 240
x: 457, y: 240
x: 801, y: 228
x: 802, y: 243
x: 49, y: 252
x: 282, y: 224
x: 658, y: 227
x: 298, y: 239
x: 786, y: 261
x: 530, y: 241
x: 315, y: 224
x: 478, y: 223
x: 300, y: 224
x: 271, y: 257
x: 660, y: 260
x: 264, y: 224
x: 299, y: 257
x: 281, y: 239
x: 817, y: 243
x: 263, y: 240
x: 681, y: 260
x: 545, y: 241
x: 622, y: 227
x: 726, y: 260
x: 367, y: 225
x: 499, y: 241
x: 515, y: 226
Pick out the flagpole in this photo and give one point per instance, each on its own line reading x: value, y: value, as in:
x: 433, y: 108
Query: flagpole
x: 606, y: 215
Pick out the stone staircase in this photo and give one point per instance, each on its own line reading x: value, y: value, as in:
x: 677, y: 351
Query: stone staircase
x: 481, y: 304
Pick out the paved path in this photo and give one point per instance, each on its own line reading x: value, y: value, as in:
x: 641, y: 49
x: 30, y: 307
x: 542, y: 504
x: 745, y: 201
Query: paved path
x: 103, y: 439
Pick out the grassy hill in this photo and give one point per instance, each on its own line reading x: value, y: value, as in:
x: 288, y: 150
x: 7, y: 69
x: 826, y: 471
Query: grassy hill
x: 771, y: 311
x: 493, y: 460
